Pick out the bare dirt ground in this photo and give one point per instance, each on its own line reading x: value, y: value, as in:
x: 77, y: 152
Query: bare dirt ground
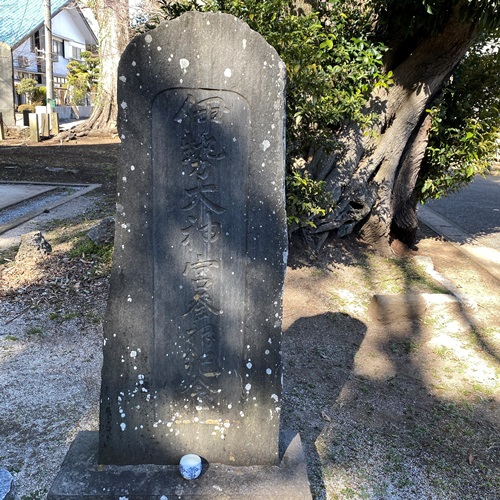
x: 403, y: 408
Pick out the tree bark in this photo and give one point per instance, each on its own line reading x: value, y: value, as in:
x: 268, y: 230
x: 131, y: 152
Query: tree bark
x: 367, y: 180
x: 113, y: 20
x: 404, y: 197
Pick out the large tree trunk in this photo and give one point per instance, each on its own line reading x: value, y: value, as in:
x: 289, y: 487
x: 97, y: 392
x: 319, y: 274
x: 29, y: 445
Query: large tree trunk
x: 404, y: 197
x: 373, y: 181
x: 113, y: 20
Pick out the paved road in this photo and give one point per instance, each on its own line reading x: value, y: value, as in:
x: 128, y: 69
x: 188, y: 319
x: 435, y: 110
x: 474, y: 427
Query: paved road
x: 475, y: 209
x: 470, y: 219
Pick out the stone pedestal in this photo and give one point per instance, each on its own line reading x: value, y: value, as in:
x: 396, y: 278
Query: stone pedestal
x: 81, y: 477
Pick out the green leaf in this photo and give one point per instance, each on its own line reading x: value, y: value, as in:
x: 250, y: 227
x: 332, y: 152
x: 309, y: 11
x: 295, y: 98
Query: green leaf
x: 328, y: 43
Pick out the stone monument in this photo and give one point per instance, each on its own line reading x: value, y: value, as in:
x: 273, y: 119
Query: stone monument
x: 192, y: 335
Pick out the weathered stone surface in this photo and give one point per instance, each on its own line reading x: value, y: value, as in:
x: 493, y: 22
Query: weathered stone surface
x: 103, y: 232
x: 54, y: 123
x: 6, y: 85
x: 44, y: 124
x: 7, y: 486
x: 82, y: 477
x: 33, y: 247
x: 192, y: 334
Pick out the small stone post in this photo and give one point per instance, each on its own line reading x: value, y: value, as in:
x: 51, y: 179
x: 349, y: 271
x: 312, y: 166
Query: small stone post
x: 54, y: 123
x: 34, y: 130
x: 44, y: 124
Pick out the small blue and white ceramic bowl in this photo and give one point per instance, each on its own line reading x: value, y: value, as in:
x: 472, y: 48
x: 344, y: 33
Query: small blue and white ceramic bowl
x: 190, y: 466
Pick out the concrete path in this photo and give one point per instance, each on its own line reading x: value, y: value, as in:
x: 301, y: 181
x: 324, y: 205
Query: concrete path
x: 10, y: 194
x: 14, y: 215
x: 470, y: 220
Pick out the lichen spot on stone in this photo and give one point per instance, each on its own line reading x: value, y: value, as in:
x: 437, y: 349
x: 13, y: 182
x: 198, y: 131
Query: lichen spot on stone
x: 123, y: 105
x: 158, y: 48
x: 132, y: 167
x: 148, y: 38
x: 269, y: 371
x: 275, y: 397
x: 244, y: 42
x: 184, y: 63
x: 249, y: 365
x: 134, y: 63
x: 228, y: 73
x: 123, y: 78
x: 265, y: 145
x: 133, y: 354
x: 123, y: 426
x: 248, y: 387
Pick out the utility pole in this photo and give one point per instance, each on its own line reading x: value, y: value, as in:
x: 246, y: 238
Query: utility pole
x: 49, y: 80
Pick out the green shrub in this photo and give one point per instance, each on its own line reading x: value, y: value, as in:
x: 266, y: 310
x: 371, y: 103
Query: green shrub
x: 306, y: 199
x: 40, y: 96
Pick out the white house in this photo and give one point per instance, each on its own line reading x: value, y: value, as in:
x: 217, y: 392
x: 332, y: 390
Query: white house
x: 21, y: 28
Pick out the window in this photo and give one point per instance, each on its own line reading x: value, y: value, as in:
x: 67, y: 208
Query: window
x: 77, y: 53
x: 35, y: 41
x: 57, y: 49
x: 59, y: 81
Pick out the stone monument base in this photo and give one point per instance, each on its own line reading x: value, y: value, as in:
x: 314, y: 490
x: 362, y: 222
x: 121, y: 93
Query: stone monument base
x: 81, y: 477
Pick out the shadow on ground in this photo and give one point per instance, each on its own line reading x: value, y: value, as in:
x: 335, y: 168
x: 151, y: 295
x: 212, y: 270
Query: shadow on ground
x: 400, y: 409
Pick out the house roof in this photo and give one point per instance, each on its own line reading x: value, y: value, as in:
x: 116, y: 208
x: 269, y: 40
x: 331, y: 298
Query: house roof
x: 19, y: 18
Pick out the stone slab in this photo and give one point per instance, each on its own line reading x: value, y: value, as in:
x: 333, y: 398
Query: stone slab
x: 81, y: 477
x: 192, y: 354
